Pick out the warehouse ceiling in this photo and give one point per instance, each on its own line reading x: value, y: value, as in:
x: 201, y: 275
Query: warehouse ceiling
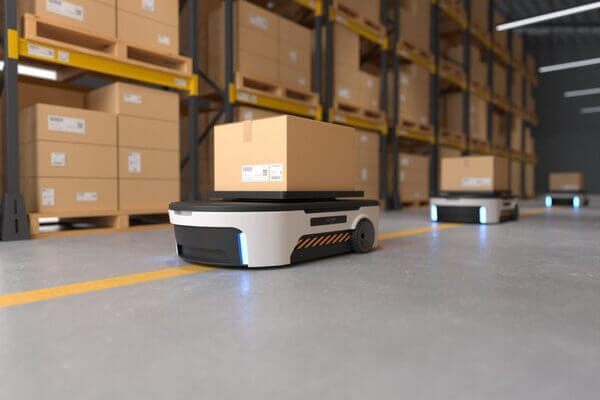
x: 583, y: 28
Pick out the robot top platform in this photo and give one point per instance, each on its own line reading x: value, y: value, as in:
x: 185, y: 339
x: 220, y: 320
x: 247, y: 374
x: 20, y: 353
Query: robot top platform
x: 313, y: 206
x: 284, y: 195
x: 477, y: 195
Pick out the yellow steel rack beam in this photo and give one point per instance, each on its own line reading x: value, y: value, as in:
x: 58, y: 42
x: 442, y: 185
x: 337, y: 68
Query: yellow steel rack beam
x: 242, y: 96
x: 361, y: 30
x: 481, y: 37
x: 341, y: 118
x: 453, y: 12
x: 416, y: 58
x: 66, y: 56
x: 461, y: 83
x: 453, y: 143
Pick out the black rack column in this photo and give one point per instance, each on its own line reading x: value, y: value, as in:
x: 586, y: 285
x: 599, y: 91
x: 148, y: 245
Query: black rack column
x: 509, y: 115
x: 490, y: 76
x: 466, y: 110
x: 14, y: 220
x: 328, y: 97
x: 396, y: 201
x: 228, y: 60
x: 434, y: 100
x: 193, y: 106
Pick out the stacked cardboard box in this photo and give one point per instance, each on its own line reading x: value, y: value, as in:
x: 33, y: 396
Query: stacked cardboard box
x: 479, y: 66
x: 451, y: 106
x: 529, y: 142
x: 414, y: 90
x: 148, y: 143
x: 446, y: 152
x: 271, y: 155
x: 500, y: 37
x: 367, y: 10
x: 518, y: 49
x: 415, y: 22
x: 516, y: 178
x: 517, y: 89
x: 566, y: 182
x: 516, y: 134
x: 93, y: 16
x: 499, y: 130
x: 529, y: 181
x: 413, y: 177
x: 268, y: 49
x: 368, y: 163
x: 151, y: 24
x: 500, y: 81
x: 69, y: 159
x: 529, y: 98
x: 479, y: 15
x: 530, y: 64
x: 474, y: 174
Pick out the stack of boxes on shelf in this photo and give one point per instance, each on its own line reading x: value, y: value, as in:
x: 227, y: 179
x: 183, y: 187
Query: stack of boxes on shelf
x: 415, y: 26
x: 413, y: 178
x: 270, y: 53
x: 368, y: 163
x: 479, y: 17
x: 501, y: 39
x: 530, y: 164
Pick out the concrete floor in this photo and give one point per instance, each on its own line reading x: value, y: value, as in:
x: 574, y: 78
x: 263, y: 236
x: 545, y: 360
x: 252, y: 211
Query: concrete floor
x: 498, y: 312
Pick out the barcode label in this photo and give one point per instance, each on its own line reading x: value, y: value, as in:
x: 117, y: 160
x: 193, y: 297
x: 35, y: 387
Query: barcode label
x: 345, y: 93
x: 40, y: 51
x: 58, y: 159
x: 475, y: 182
x: 148, y: 5
x: 86, y: 197
x: 293, y: 56
x: 134, y: 162
x: 48, y: 197
x: 132, y: 98
x: 276, y: 172
x: 57, y: 123
x: 255, y: 173
x: 302, y: 82
x: 65, y: 8
x: 164, y: 40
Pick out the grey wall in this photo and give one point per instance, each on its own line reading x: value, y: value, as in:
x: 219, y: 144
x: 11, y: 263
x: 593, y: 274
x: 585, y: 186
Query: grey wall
x: 567, y: 140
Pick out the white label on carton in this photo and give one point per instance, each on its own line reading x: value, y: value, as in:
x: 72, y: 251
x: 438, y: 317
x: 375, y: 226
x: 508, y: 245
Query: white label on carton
x: 48, y: 197
x: 65, y: 8
x: 476, y: 181
x: 345, y: 93
x: 293, y: 56
x: 164, y: 40
x: 276, y: 174
x: 405, y: 162
x: 40, y: 51
x: 364, y: 174
x: 134, y: 162
x: 370, y: 83
x: 148, y: 5
x: 364, y: 138
x: 180, y: 82
x: 404, y: 80
x: 255, y: 173
x: 259, y: 21
x: 248, y: 116
x: 132, y: 98
x: 302, y: 82
x: 58, y: 159
x: 86, y: 197
x: 57, y: 123
x: 64, y: 56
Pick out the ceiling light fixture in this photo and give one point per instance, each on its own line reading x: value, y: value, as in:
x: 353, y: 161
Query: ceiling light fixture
x: 569, y: 65
x: 582, y: 92
x: 548, y: 16
x: 590, y: 110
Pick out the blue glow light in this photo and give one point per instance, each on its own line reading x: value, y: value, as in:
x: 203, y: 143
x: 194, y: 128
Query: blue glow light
x: 243, y: 248
x: 576, y: 202
x: 434, y: 214
x: 548, y: 201
x: 482, y: 215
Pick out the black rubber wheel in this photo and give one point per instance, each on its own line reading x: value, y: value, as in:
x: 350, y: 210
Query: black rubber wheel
x: 363, y: 236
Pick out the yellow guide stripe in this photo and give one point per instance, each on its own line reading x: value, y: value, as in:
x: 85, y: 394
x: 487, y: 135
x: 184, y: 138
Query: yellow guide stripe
x: 418, y: 231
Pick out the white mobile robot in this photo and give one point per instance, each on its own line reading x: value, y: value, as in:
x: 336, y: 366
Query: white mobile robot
x: 569, y: 199
x: 476, y: 208
x: 268, y: 229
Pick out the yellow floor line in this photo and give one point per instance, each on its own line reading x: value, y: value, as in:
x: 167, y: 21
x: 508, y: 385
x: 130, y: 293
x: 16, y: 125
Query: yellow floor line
x: 534, y: 211
x: 31, y: 296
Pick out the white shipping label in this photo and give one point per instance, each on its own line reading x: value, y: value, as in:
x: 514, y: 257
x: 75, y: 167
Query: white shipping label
x: 86, y: 197
x: 255, y: 173
x: 164, y: 40
x: 293, y: 56
x: 65, y: 8
x: 364, y: 174
x: 132, y: 98
x: 148, y: 5
x: 477, y: 181
x: 345, y: 93
x: 58, y: 159
x: 302, y: 82
x: 134, y: 162
x: 364, y: 138
x: 276, y: 174
x: 57, y: 123
x: 370, y: 83
x: 259, y: 21
x: 48, y: 197
x: 405, y: 162
x: 64, y: 56
x: 40, y: 51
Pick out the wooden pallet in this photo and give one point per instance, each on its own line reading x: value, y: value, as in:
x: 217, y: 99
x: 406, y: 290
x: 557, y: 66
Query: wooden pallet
x: 479, y: 146
x: 43, y: 31
x: 502, y: 54
x: 453, y: 73
x: 69, y: 224
x: 480, y: 90
x: 412, y: 53
x: 415, y: 204
x: 375, y: 116
x: 245, y: 83
x: 453, y: 139
x: 415, y: 130
x: 352, y: 15
x: 481, y: 35
x: 500, y: 151
x: 454, y: 11
x: 501, y: 102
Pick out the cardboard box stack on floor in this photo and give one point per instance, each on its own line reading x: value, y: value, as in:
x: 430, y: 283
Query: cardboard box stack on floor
x: 148, y: 143
x: 566, y: 182
x: 474, y: 174
x: 268, y: 49
x: 90, y: 16
x: 415, y: 24
x: 368, y: 163
x: 529, y: 180
x: 516, y: 178
x: 271, y: 155
x: 414, y: 89
x: 150, y: 24
x: 516, y: 134
x: 413, y: 177
x: 451, y: 106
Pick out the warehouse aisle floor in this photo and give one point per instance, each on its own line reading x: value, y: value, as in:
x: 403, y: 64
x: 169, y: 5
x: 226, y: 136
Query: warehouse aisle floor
x: 498, y: 312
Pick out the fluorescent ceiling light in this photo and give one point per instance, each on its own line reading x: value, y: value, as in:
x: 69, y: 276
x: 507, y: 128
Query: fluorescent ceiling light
x: 36, y: 72
x: 582, y: 92
x: 569, y: 65
x: 590, y: 110
x: 549, y: 16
